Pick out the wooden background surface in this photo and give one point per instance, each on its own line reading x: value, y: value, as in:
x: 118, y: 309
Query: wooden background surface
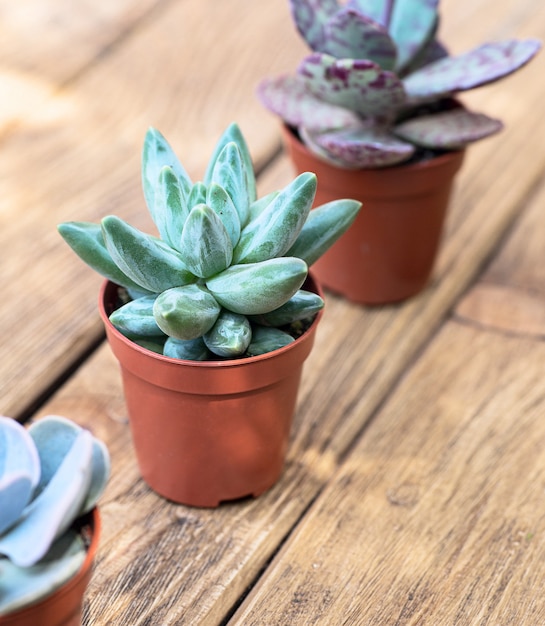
x: 414, y: 491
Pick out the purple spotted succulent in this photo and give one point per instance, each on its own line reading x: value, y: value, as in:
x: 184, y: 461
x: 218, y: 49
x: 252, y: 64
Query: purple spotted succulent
x: 379, y: 85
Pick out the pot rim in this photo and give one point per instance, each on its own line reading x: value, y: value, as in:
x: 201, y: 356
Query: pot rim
x: 290, y: 134
x: 225, y: 364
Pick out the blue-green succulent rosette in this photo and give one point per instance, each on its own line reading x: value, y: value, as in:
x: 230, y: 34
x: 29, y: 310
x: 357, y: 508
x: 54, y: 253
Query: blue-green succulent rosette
x: 51, y: 474
x: 224, y: 278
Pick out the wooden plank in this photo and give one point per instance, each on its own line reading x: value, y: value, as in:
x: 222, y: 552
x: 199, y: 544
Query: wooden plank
x: 44, y: 44
x: 436, y: 517
x: 55, y: 39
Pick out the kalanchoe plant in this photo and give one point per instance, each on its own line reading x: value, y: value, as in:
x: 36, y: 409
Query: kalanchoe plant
x: 224, y: 278
x: 50, y: 475
x: 378, y: 82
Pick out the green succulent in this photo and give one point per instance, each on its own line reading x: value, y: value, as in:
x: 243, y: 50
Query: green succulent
x: 224, y: 278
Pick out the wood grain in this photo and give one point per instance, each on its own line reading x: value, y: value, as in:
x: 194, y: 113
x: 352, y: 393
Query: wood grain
x: 436, y: 517
x: 393, y: 414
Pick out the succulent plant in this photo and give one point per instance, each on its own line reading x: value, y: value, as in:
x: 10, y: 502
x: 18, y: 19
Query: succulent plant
x: 379, y: 84
x: 224, y: 277
x: 50, y: 475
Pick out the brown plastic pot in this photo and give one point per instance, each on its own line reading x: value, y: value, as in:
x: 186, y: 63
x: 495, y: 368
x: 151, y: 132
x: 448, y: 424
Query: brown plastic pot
x: 64, y: 606
x: 208, y: 432
x: 388, y: 254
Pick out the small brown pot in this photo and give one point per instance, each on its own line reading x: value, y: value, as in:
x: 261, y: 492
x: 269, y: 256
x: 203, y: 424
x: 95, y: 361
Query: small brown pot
x: 388, y: 254
x: 63, y: 607
x: 208, y: 432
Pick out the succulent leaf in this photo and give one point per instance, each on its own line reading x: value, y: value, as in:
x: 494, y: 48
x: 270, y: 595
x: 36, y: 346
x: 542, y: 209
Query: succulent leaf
x: 324, y: 226
x: 412, y: 25
x: 52, y: 512
x: 171, y: 208
x: 87, y: 241
x: 148, y: 261
x: 205, y: 244
x: 153, y: 344
x: 289, y: 97
x: 156, y: 154
x: 191, y: 350
x: 351, y: 35
x: 273, y: 232
x: 230, y: 335
x: 186, y: 312
x: 365, y: 146
x: 53, y: 437
x: 19, y: 470
x: 378, y: 10
x: 254, y: 288
x: 302, y: 305
x: 234, y: 134
x: 257, y: 207
x: 310, y: 17
x: 197, y: 195
x: 480, y: 66
x: 220, y: 202
x: 229, y: 172
x: 266, y: 339
x: 135, y: 319
x: 450, y: 130
x: 359, y: 85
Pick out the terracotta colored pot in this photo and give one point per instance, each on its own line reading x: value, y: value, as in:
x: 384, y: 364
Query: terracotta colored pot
x: 207, y: 432
x: 388, y: 254
x: 63, y: 607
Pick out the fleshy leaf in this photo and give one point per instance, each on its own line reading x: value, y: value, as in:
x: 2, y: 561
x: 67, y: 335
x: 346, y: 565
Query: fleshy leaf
x: 265, y: 339
x: 156, y: 154
x: 230, y: 173
x: 205, y: 244
x: 449, y: 130
x: 358, y: 147
x: 186, y: 312
x: 54, y: 436
x: 136, y: 318
x: 171, y: 207
x: 273, y: 232
x: 52, y: 512
x: 310, y: 17
x: 234, y: 134
x: 323, y: 227
x: 220, y: 202
x: 303, y: 304
x: 480, y: 66
x: 230, y: 335
x: 191, y: 350
x: 197, y: 195
x: 359, y: 85
x: 148, y: 261
x: 288, y: 97
x: 87, y: 241
x: 351, y: 35
x: 254, y: 288
x: 412, y: 25
x: 19, y: 470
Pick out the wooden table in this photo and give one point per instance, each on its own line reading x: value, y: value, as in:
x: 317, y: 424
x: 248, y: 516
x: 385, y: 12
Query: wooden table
x: 414, y: 491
